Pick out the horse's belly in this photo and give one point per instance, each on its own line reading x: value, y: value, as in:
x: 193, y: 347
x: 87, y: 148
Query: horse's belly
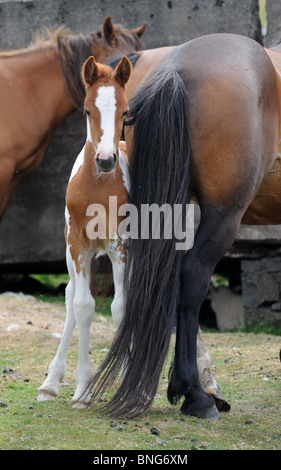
x: 265, y: 209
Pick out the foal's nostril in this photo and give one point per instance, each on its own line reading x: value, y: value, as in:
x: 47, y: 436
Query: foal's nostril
x: 106, y: 164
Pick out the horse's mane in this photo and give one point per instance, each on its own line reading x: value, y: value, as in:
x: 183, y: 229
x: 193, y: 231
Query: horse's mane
x: 74, y: 49
x: 44, y: 38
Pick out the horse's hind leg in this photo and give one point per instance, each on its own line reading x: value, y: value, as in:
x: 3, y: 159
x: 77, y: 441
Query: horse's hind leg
x: 206, y: 377
x: 214, y: 236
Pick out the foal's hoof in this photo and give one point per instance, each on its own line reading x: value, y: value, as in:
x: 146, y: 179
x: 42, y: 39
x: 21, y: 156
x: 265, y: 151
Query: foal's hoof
x: 202, y: 413
x: 44, y: 395
x: 79, y: 405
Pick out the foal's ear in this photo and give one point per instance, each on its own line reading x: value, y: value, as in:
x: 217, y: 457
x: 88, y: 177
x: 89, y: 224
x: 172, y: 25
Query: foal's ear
x: 123, y: 71
x: 108, y: 30
x: 90, y: 71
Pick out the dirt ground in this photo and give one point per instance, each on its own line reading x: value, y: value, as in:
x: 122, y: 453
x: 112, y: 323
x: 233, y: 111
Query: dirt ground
x: 20, y: 314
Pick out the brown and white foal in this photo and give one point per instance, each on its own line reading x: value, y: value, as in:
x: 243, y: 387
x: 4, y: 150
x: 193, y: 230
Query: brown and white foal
x: 99, y: 173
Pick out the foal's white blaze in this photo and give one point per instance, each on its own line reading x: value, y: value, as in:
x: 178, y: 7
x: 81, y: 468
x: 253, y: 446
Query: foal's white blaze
x: 106, y: 104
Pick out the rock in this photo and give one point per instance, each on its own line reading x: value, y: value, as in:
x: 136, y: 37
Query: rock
x: 228, y: 308
x: 154, y: 431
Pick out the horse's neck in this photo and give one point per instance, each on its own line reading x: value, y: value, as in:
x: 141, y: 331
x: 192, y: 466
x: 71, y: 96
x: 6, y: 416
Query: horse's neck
x: 42, y: 81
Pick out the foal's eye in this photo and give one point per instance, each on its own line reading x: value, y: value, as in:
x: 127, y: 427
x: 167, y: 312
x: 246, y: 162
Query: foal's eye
x: 125, y: 113
x: 87, y: 112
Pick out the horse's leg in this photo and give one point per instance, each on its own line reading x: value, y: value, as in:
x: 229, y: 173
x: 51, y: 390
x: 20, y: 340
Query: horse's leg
x: 206, y: 377
x: 214, y: 236
x: 84, y: 309
x: 56, y: 372
x: 8, y: 183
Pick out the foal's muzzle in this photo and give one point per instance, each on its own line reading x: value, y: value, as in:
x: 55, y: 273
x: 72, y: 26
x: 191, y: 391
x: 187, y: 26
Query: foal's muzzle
x: 106, y: 165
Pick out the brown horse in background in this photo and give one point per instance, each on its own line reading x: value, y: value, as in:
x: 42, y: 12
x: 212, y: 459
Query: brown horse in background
x: 40, y: 86
x: 204, y: 124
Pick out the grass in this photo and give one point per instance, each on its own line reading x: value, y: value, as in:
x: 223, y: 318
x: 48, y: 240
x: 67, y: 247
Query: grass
x: 262, y: 10
x: 246, y: 366
x: 245, y: 363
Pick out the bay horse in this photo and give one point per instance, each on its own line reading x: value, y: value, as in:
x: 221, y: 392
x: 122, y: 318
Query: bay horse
x: 204, y: 124
x: 99, y: 173
x: 40, y: 87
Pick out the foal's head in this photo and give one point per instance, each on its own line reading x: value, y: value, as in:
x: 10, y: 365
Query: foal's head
x: 106, y: 106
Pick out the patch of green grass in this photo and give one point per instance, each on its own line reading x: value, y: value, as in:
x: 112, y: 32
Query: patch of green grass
x: 51, y: 280
x: 267, y: 328
x: 60, y: 298
x: 262, y: 12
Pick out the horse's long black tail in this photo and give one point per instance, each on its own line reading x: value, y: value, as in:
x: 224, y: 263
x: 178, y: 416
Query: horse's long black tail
x: 159, y: 174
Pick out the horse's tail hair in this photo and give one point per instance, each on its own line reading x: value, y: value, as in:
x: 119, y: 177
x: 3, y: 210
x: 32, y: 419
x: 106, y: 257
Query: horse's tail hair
x: 159, y: 170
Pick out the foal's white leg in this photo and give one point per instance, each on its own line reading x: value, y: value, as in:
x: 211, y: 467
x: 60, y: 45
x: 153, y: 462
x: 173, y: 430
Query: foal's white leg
x: 84, y: 309
x: 117, y: 306
x: 56, y: 372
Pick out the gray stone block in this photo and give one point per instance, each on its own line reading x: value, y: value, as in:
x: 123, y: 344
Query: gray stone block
x: 261, y: 282
x: 273, y: 11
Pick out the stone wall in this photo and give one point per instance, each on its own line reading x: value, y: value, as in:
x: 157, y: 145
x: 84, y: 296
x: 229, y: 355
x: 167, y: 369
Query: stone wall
x: 170, y: 22
x: 273, y: 10
x: 261, y: 281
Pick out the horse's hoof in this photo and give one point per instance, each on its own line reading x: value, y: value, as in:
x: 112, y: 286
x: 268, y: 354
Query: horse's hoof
x: 44, y: 395
x: 202, y: 413
x: 221, y: 403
